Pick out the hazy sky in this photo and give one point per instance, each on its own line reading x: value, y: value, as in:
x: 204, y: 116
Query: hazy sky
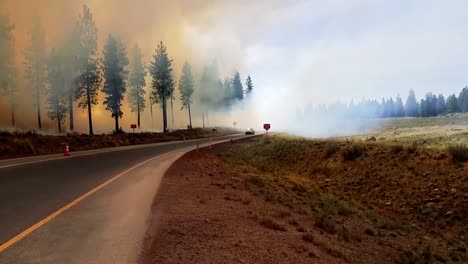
x: 321, y: 51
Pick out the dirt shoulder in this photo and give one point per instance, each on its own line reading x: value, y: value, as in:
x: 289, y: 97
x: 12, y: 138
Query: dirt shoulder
x: 202, y: 215
x: 300, y: 201
x: 24, y: 144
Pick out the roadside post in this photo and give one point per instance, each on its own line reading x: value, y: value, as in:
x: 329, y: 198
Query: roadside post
x: 266, y: 127
x: 133, y: 126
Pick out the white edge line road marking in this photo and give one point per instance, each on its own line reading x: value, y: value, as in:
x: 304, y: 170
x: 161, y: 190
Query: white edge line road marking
x: 54, y: 215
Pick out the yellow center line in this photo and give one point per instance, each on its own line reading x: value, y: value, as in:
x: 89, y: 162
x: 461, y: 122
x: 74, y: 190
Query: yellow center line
x: 49, y: 218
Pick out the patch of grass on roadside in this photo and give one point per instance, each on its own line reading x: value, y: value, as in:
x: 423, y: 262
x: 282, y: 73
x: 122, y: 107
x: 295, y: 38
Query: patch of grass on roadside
x: 352, y: 152
x: 330, y: 149
x: 327, y: 223
x: 271, y: 224
x: 424, y: 256
x: 458, y: 153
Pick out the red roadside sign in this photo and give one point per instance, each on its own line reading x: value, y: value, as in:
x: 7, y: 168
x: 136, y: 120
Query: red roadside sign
x: 266, y: 127
x: 133, y: 126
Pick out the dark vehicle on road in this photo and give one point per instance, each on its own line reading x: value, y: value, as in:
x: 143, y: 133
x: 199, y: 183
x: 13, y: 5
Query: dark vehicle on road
x: 250, y: 131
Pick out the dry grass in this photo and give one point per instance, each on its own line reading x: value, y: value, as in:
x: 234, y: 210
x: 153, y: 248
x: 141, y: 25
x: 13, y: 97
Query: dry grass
x: 271, y: 224
x: 332, y: 181
x: 458, y: 153
x: 326, y: 223
x: 352, y: 152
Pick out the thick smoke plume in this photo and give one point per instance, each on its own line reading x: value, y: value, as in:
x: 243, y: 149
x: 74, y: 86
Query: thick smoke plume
x: 144, y: 23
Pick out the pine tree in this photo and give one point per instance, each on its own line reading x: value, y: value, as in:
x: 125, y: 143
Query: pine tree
x: 89, y: 79
x: 115, y: 75
x: 7, y: 63
x: 452, y: 104
x: 171, y: 96
x: 137, y: 84
x: 399, y: 108
x: 237, y: 87
x: 463, y: 100
x: 440, y: 107
x: 249, y: 85
x: 36, y: 66
x: 411, y: 106
x: 430, y: 105
x: 162, y: 83
x: 57, y: 99
x: 186, y: 88
x: 423, y: 108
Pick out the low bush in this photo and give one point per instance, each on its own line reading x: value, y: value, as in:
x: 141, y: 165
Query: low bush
x: 330, y: 149
x: 272, y: 224
x: 353, y: 152
x: 458, y: 153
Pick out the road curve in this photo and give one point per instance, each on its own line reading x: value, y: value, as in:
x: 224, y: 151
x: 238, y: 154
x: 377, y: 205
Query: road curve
x: 33, y: 190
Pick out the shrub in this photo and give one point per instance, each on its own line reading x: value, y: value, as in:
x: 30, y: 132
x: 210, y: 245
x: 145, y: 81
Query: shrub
x: 330, y: 149
x: 412, y: 148
x: 255, y: 180
x: 308, y: 238
x: 326, y: 223
x: 353, y: 152
x: 458, y: 153
x: 272, y: 224
x: 396, y: 149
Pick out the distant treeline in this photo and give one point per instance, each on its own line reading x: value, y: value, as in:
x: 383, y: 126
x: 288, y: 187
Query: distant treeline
x: 430, y: 105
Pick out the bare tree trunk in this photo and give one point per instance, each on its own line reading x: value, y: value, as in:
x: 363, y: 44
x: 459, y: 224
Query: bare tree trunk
x: 90, y: 120
x: 164, y: 114
x: 151, y: 113
x: 138, y: 107
x: 190, y: 115
x: 70, y: 109
x: 117, y: 123
x: 172, y: 112
x: 38, y: 104
x: 59, y: 121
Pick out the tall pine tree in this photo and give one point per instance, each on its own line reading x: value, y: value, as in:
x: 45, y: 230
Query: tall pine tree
x: 238, y: 89
x: 248, y: 85
x: 463, y: 100
x: 36, y: 66
x: 186, y: 88
x: 452, y: 104
x: 137, y: 84
x: 411, y: 106
x: 440, y: 107
x: 89, y: 79
x: 162, y: 79
x: 399, y: 109
x: 115, y: 75
x: 56, y: 95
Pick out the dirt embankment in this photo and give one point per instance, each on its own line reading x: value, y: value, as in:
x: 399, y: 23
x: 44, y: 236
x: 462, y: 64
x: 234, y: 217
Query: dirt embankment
x: 300, y: 201
x: 21, y: 144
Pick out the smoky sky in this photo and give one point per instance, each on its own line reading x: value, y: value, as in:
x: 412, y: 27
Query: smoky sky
x: 298, y: 52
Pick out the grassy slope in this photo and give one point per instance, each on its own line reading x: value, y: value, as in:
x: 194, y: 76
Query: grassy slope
x: 434, y: 132
x: 415, y: 194
x: 29, y: 143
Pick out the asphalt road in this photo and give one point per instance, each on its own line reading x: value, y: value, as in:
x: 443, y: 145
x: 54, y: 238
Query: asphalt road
x: 32, y: 190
